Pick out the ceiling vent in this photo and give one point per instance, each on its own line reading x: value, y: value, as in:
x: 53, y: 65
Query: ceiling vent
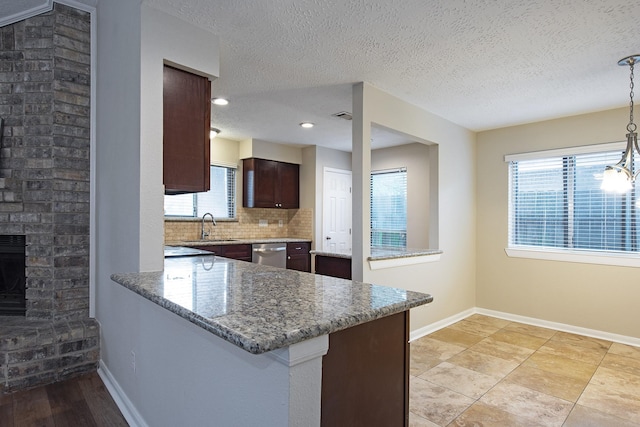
x: 343, y: 115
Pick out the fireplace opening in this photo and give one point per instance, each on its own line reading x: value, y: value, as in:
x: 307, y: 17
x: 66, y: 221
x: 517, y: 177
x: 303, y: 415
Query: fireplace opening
x: 13, y: 279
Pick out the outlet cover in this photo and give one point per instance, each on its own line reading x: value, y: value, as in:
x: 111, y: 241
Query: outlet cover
x: 280, y: 223
x: 263, y: 223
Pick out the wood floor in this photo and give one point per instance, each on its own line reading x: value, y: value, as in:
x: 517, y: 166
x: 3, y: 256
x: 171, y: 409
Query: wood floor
x: 79, y: 402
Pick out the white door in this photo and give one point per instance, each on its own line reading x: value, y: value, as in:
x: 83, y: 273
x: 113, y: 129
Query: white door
x: 336, y: 211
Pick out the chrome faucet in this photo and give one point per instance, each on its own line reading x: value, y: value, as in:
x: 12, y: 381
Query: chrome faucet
x: 206, y: 233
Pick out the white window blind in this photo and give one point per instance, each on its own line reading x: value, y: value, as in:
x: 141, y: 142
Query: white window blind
x: 556, y: 202
x: 389, y: 208
x: 220, y: 200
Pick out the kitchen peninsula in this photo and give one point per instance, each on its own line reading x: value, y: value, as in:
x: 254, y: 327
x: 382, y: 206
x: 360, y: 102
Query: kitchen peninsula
x: 269, y: 346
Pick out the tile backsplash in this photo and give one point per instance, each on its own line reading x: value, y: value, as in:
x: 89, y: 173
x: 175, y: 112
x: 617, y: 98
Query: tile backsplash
x: 279, y: 223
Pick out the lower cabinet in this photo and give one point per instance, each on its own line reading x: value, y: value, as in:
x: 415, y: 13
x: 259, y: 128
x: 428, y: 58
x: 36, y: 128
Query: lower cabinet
x: 365, y: 374
x: 298, y: 257
x: 239, y: 252
x: 333, y: 266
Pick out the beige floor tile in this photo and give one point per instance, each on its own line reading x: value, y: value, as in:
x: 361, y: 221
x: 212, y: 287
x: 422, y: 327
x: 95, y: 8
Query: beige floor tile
x: 437, y: 348
x: 550, y: 383
x: 484, y: 363
x: 488, y: 320
x: 625, y: 350
x: 462, y: 380
x: 581, y: 340
x: 436, y: 403
x: 503, y: 350
x: 530, y: 404
x: 481, y: 415
x: 454, y: 336
x: 613, y: 392
x: 581, y: 416
x: 475, y: 328
x: 536, y: 331
x: 519, y: 339
x: 422, y: 362
x: 418, y: 421
x: 574, y: 351
x: 580, y: 371
x: 630, y: 365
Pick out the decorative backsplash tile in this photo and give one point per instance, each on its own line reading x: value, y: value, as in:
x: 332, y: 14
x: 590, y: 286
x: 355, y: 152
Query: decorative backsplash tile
x: 279, y: 223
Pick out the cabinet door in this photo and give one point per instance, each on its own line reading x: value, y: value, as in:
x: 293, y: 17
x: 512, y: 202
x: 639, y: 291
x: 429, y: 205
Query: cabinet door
x: 186, y: 122
x: 289, y: 186
x: 333, y: 266
x: 298, y: 257
x: 211, y: 248
x: 239, y: 252
x: 259, y: 183
x: 270, y: 184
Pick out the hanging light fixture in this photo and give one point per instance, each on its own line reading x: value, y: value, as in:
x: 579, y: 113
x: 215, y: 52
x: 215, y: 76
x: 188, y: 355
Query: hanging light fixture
x: 619, y: 178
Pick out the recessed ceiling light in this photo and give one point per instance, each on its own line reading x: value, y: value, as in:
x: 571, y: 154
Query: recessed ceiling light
x: 306, y: 125
x: 219, y: 101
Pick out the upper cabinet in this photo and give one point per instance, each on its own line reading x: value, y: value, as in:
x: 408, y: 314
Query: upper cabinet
x: 186, y: 123
x: 270, y: 184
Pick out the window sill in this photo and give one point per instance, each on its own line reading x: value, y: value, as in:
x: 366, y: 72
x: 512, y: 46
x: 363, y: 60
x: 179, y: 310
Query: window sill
x: 604, y: 258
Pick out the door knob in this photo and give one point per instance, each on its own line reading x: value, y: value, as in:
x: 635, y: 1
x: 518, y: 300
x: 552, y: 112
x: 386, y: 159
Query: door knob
x: 328, y: 238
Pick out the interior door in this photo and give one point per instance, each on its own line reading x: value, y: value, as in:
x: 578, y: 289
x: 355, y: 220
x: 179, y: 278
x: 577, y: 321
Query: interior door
x: 336, y: 211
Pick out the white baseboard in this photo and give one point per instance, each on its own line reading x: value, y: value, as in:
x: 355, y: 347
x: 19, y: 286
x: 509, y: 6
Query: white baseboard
x: 622, y: 339
x: 129, y: 411
x: 426, y: 330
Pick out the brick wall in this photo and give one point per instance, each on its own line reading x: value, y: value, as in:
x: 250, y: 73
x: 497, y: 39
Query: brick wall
x: 44, y: 195
x: 44, y: 157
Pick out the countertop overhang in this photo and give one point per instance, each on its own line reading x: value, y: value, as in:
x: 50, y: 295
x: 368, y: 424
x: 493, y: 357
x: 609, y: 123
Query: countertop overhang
x: 261, y: 308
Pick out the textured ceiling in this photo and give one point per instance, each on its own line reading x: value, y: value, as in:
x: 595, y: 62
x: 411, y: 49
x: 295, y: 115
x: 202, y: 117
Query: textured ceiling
x: 478, y: 63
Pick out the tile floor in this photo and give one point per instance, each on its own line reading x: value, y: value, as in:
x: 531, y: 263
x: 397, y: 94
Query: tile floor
x: 484, y: 371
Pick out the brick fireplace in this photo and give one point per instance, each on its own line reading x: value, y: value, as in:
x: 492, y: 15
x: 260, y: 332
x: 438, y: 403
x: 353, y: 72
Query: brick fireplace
x: 44, y: 195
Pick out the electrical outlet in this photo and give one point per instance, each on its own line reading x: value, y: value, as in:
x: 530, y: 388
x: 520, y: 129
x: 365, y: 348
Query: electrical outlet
x: 280, y: 223
x: 133, y: 361
x: 263, y: 223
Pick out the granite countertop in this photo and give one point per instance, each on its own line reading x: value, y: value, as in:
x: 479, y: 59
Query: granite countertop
x: 261, y: 308
x: 384, y: 253
x: 212, y: 242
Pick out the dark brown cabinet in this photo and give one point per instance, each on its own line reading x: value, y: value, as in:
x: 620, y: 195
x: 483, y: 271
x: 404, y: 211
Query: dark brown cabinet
x: 186, y: 121
x: 333, y: 266
x: 240, y: 252
x: 298, y: 257
x: 365, y: 374
x: 270, y: 184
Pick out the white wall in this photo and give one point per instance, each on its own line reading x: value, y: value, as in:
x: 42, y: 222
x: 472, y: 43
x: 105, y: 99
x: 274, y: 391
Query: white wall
x: 270, y: 151
x: 132, y: 41
x: 451, y: 281
x: 169, y: 40
x: 117, y: 194
x: 598, y: 297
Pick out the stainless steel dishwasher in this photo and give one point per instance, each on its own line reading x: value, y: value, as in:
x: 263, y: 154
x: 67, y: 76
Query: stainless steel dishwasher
x: 273, y: 254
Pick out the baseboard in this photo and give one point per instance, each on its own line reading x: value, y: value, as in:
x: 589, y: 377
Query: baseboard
x: 622, y: 339
x: 129, y: 411
x: 426, y: 330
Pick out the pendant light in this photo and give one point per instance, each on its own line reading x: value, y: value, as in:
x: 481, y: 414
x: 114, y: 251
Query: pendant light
x: 619, y: 178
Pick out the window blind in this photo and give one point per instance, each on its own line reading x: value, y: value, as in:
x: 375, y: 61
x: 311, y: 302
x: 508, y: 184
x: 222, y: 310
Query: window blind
x: 389, y: 208
x: 556, y: 202
x: 220, y: 200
